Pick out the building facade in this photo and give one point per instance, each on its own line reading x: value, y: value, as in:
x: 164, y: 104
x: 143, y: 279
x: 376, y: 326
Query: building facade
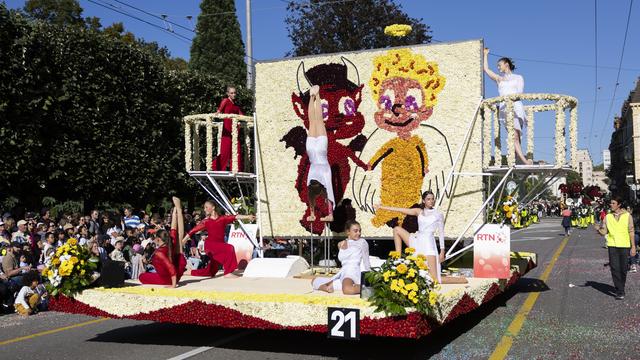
x: 606, y: 159
x: 625, y: 148
x: 585, y: 166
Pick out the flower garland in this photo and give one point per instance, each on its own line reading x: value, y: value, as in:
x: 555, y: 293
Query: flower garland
x: 397, y: 30
x: 511, y: 133
x: 234, y: 146
x: 487, y: 117
x: 70, y: 269
x: 205, y: 120
x: 188, y: 151
x: 562, y: 102
x: 403, y: 282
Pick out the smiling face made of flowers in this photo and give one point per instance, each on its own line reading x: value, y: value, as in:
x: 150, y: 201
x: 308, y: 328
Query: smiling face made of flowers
x: 401, y: 106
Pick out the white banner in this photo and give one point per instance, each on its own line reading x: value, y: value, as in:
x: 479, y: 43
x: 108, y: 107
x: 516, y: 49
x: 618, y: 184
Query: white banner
x: 242, y: 244
x: 492, y: 252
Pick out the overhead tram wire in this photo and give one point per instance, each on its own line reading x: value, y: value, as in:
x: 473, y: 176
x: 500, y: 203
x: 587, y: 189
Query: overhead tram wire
x: 565, y: 63
x: 280, y: 7
x: 154, y: 15
x: 183, y: 38
x: 595, y: 102
x: 624, y: 43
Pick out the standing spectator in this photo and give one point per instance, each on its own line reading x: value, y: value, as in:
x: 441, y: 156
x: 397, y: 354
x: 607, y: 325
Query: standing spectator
x: 566, y: 221
x: 21, y: 235
x: 227, y: 106
x: 618, y: 226
x: 130, y: 221
x: 45, y: 215
x: 94, y: 225
x: 105, y: 224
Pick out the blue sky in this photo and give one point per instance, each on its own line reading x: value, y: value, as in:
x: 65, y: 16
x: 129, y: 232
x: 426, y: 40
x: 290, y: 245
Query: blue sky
x: 548, y: 32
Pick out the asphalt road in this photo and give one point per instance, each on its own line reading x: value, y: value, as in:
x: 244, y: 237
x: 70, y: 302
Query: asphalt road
x: 573, y: 316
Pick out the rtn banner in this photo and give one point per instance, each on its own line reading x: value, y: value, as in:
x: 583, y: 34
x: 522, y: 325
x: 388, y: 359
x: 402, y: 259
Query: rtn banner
x: 491, y: 252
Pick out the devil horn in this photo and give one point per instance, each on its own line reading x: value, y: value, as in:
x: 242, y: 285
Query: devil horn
x: 344, y: 61
x: 304, y: 73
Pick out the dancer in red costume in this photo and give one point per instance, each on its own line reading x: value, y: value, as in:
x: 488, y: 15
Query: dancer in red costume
x: 168, y: 259
x: 227, y: 106
x: 219, y: 252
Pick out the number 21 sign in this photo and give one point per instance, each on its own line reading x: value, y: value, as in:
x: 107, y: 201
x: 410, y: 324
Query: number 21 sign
x: 344, y: 323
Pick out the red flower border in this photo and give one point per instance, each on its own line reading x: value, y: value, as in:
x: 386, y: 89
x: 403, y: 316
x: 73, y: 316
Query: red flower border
x: 196, y: 312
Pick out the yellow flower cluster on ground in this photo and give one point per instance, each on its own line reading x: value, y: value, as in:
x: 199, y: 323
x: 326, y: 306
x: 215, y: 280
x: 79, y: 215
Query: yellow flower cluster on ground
x: 70, y: 269
x: 397, y: 30
x: 403, y: 282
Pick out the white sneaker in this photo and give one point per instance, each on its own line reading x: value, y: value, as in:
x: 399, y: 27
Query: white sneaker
x: 634, y: 268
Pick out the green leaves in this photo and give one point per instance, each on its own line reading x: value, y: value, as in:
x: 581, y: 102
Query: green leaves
x: 92, y: 116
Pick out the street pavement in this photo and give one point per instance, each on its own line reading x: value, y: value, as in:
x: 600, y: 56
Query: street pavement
x: 573, y: 317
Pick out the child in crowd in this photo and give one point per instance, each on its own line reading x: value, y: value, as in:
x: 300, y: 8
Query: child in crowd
x: 24, y: 262
x: 27, y: 300
x: 194, y: 261
x: 354, y: 255
x: 137, y: 265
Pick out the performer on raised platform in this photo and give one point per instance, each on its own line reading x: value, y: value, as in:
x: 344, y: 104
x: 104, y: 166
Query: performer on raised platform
x: 319, y: 177
x: 219, y: 252
x: 168, y: 259
x: 429, y: 220
x: 508, y: 84
x: 353, y: 253
x: 227, y: 106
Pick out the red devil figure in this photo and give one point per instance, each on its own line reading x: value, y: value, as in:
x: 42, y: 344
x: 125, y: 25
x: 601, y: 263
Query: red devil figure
x: 340, y: 99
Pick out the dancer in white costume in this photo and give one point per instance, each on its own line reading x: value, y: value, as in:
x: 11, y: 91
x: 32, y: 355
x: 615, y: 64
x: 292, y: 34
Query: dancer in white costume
x: 354, y: 257
x: 319, y: 177
x: 508, y: 84
x: 424, y: 242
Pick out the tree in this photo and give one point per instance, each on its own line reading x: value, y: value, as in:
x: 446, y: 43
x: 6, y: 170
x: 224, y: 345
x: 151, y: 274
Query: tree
x: 59, y: 12
x: 87, y: 116
x: 598, y: 167
x: 537, y: 183
x: 217, y: 48
x: 317, y: 27
x: 573, y: 177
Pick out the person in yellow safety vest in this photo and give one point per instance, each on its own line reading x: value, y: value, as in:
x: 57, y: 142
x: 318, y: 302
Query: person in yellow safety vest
x: 515, y: 220
x: 618, y: 227
x: 574, y: 217
x: 592, y: 217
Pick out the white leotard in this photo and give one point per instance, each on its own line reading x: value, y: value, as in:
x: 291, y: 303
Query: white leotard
x: 424, y: 240
x: 354, y: 260
x: 320, y: 169
x: 507, y: 85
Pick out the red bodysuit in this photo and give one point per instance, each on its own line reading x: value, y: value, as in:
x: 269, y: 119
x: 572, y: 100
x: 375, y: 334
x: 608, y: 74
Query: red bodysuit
x: 219, y: 252
x: 165, y: 268
x: 223, y: 160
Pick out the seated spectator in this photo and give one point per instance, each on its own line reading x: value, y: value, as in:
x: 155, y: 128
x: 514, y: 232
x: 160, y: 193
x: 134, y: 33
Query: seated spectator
x: 24, y: 262
x: 27, y: 299
x: 117, y: 254
x: 83, y: 235
x: 61, y: 238
x: 194, y: 261
x: 49, y: 247
x: 10, y: 264
x: 6, y: 296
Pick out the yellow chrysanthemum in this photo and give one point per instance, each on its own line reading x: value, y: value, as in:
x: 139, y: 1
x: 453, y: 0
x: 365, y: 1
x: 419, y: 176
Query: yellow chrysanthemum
x: 409, y: 250
x: 421, y: 265
x: 55, y: 261
x: 394, y: 254
x: 72, y: 241
x: 411, y: 273
x: 422, y: 257
x: 433, y: 298
x: 402, y: 269
x: 505, y: 207
x: 397, y: 30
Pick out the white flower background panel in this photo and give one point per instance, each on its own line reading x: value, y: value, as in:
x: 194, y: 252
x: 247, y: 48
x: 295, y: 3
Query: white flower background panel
x: 459, y: 63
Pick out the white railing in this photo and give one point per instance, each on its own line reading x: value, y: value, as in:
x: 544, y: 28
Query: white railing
x: 213, y: 125
x: 560, y: 103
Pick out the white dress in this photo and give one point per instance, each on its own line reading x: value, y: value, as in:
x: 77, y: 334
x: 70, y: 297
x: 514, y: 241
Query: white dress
x: 424, y: 241
x: 354, y: 260
x: 507, y: 85
x: 320, y: 169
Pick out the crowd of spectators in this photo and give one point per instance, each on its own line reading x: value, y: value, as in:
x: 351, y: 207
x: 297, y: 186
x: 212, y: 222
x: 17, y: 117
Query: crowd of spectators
x: 26, y: 245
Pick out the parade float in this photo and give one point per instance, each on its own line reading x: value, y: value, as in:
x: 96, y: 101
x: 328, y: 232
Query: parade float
x: 450, y: 146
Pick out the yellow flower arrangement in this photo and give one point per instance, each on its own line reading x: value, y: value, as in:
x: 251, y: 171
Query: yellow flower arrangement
x: 69, y: 270
x: 409, y: 250
x: 397, y: 30
x: 401, y: 283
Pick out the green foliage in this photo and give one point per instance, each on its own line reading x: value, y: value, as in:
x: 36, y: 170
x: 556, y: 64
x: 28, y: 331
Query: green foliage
x: 59, y: 12
x: 318, y: 26
x: 217, y: 48
x: 573, y: 177
x: 89, y: 116
x: 598, y: 167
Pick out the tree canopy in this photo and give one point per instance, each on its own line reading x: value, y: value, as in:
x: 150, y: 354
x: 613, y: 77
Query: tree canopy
x: 217, y: 48
x: 86, y: 115
x: 317, y: 27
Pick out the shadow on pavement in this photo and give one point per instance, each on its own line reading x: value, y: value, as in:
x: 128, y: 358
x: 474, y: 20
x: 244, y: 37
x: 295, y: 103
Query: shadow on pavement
x: 304, y: 343
x: 603, y: 288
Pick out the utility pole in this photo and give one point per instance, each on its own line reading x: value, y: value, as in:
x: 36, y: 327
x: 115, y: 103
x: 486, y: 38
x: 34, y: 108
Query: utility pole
x: 249, y: 47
